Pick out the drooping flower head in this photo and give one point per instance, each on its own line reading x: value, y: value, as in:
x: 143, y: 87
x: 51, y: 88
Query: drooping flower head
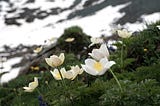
x: 124, y: 33
x: 57, y: 75
x: 32, y: 85
x: 94, y: 67
x: 55, y: 61
x: 100, y: 53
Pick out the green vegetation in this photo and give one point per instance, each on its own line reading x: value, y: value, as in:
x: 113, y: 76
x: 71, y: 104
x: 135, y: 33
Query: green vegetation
x: 139, y: 76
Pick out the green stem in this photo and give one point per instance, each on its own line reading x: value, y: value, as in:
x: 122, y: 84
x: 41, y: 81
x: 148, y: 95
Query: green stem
x: 122, y: 57
x: 116, y: 80
x: 39, y: 92
x: 48, y: 87
x: 63, y: 83
x: 69, y: 47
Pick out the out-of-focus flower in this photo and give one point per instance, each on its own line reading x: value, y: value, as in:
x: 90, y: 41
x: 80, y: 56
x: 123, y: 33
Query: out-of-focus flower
x: 57, y: 73
x: 124, y: 33
x: 94, y: 67
x: 100, y: 53
x: 55, y: 61
x: 69, y: 39
x: 158, y: 26
x: 75, y: 70
x: 38, y: 49
x: 95, y: 41
x: 145, y: 50
x: 52, y: 39
x: 32, y: 85
x: 36, y: 68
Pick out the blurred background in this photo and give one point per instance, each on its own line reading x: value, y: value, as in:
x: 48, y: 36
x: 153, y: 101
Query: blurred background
x: 27, y: 24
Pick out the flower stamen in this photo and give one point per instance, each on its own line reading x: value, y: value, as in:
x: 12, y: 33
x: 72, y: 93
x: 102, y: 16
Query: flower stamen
x: 98, y: 66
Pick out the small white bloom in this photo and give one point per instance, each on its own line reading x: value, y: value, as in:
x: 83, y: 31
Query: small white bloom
x: 32, y: 85
x: 95, y: 41
x: 124, y: 33
x: 100, y: 53
x: 69, y: 39
x: 158, y: 26
x: 38, y: 49
x: 75, y: 70
x: 94, y: 67
x: 55, y: 61
x: 56, y: 73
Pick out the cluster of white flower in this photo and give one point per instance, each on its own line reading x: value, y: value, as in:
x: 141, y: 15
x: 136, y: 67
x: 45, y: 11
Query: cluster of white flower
x: 97, y: 65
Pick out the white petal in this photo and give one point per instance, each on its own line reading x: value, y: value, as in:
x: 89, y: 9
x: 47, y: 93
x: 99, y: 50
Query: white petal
x: 37, y: 50
x: 63, y: 71
x: 89, y: 70
x: 81, y: 71
x: 104, y: 61
x: 124, y: 33
x: 54, y: 74
x: 89, y: 62
x: 35, y: 79
x: 56, y: 61
x: 49, y: 61
x: 33, y: 85
x: 68, y: 75
x: 103, y: 71
x: 97, y: 54
x: 27, y: 89
x: 104, y: 50
x: 62, y: 57
x: 109, y: 64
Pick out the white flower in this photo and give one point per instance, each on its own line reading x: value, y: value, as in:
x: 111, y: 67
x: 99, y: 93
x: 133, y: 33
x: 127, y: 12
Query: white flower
x: 100, y: 53
x: 75, y: 70
x: 95, y: 41
x: 69, y: 39
x: 55, y: 61
x: 56, y: 73
x: 158, y: 26
x: 38, y: 49
x: 94, y: 67
x: 32, y: 85
x: 124, y: 33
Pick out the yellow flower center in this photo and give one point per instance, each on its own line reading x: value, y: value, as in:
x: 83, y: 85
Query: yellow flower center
x: 58, y: 75
x: 98, y: 66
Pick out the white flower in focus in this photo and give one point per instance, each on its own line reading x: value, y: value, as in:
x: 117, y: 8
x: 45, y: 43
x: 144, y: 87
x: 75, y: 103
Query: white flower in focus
x: 94, y: 67
x: 100, y: 53
x: 38, y: 49
x: 32, y: 85
x: 95, y: 41
x: 69, y: 39
x: 55, y: 61
x: 124, y: 33
x: 75, y: 70
x: 56, y: 73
